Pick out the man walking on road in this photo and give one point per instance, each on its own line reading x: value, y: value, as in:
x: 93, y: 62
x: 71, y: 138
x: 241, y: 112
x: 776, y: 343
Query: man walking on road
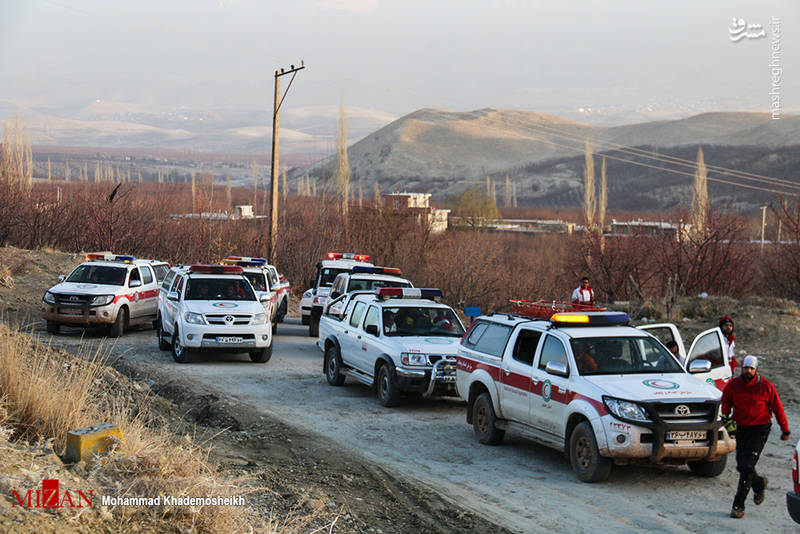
x: 754, y: 400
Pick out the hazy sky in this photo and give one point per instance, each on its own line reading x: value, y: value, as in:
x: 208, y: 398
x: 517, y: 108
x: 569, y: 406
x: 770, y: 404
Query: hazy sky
x: 397, y: 55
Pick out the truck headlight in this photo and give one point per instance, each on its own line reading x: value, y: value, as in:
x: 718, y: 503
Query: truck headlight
x: 626, y: 410
x: 102, y: 300
x: 259, y: 318
x: 193, y: 318
x: 49, y: 298
x: 414, y: 359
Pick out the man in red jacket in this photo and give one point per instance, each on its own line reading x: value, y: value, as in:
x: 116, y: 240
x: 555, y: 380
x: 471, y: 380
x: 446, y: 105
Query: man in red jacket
x: 754, y: 400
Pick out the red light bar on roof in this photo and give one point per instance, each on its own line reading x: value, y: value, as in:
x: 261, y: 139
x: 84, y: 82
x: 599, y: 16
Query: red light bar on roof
x: 408, y: 293
x: 215, y: 269
x: 346, y: 256
x: 376, y: 270
x: 107, y: 256
x: 244, y: 262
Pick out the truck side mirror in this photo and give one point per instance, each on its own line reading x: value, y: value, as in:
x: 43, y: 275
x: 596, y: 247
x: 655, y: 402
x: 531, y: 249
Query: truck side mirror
x: 264, y: 297
x: 557, y: 368
x: 700, y: 366
x: 62, y: 277
x: 135, y: 283
x: 372, y: 329
x: 172, y: 295
x: 335, y: 294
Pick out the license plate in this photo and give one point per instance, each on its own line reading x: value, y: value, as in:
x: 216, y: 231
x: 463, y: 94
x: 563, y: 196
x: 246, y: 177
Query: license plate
x: 71, y: 311
x: 230, y: 339
x: 678, y: 435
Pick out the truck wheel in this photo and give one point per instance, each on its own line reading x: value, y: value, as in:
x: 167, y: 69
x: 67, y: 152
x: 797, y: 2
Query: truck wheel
x: 333, y: 367
x: 313, y: 327
x: 282, y: 311
x: 275, y: 327
x: 179, y: 353
x: 484, y: 419
x: 163, y: 344
x: 261, y: 355
x: 704, y: 468
x: 53, y: 327
x: 118, y: 328
x: 385, y: 387
x: 585, y: 456
x: 304, y: 319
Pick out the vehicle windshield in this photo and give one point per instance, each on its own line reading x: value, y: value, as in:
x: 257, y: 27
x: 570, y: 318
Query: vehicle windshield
x: 328, y: 275
x: 359, y: 285
x: 420, y: 321
x: 622, y: 356
x: 258, y: 280
x: 219, y: 289
x: 99, y: 274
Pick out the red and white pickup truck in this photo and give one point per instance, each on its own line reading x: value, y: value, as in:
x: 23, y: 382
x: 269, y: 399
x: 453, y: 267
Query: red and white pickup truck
x: 587, y: 384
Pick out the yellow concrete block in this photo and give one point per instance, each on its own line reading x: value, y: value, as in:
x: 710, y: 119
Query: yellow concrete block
x: 84, y: 442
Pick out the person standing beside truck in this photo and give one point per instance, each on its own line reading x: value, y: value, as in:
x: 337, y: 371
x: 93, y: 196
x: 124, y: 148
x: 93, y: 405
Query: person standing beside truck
x: 726, y: 325
x: 583, y: 294
x: 754, y: 400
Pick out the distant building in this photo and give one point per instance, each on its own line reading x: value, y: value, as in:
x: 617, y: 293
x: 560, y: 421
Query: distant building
x: 420, y: 205
x: 655, y: 228
x: 244, y: 211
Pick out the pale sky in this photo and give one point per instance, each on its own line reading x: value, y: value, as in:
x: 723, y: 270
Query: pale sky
x: 397, y: 55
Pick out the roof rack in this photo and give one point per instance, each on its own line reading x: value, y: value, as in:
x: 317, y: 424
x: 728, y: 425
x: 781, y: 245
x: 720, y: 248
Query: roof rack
x: 544, y: 309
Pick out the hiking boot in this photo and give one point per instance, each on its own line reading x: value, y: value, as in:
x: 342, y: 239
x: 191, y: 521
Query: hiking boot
x: 737, y: 513
x: 758, y: 496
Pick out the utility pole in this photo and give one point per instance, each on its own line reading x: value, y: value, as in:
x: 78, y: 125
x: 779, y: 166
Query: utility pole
x: 763, y: 225
x: 273, y: 208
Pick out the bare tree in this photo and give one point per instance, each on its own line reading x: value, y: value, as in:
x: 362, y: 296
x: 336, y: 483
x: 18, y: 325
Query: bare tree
x: 342, y: 163
x: 589, y: 204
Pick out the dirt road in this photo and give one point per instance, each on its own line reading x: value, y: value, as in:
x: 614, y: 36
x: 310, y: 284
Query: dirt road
x: 519, y: 485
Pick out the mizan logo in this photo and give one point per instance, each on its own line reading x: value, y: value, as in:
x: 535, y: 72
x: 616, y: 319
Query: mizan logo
x: 547, y: 390
x: 51, y: 497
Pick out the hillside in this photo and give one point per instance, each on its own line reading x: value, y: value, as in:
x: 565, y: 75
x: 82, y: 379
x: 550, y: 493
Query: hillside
x: 445, y: 152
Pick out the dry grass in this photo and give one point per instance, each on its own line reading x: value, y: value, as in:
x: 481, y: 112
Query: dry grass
x: 44, y: 393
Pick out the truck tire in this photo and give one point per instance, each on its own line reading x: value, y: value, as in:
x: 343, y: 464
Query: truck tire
x: 118, y: 328
x: 163, y: 344
x: 53, y: 327
x: 584, y: 455
x: 386, y: 388
x: 261, y: 355
x: 282, y: 311
x: 304, y: 320
x: 313, y: 327
x: 704, y: 468
x: 333, y: 366
x: 275, y: 327
x: 484, y: 419
x: 179, y: 353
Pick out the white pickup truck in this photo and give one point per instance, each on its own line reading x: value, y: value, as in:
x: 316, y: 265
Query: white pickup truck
x: 396, y: 339
x: 315, y: 298
x: 586, y: 384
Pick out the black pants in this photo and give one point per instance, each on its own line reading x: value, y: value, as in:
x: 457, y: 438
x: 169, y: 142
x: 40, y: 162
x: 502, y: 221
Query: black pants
x: 750, y: 441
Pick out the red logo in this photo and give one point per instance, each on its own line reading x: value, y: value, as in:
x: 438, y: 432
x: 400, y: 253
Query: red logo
x: 51, y: 497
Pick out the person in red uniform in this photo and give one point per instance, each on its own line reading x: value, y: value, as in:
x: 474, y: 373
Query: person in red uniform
x: 726, y: 325
x: 583, y: 294
x: 754, y: 400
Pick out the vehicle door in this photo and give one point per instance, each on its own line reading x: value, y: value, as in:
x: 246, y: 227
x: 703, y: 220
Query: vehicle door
x: 711, y: 345
x: 135, y: 293
x: 348, y: 340
x: 148, y: 300
x: 550, y: 392
x: 165, y: 285
x: 371, y: 346
x: 666, y: 332
x: 171, y: 307
x: 516, y: 375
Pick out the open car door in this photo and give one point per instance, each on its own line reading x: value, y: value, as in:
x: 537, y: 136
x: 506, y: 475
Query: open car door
x: 666, y: 332
x: 711, y: 345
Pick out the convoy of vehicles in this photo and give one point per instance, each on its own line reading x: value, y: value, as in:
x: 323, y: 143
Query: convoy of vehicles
x: 587, y: 384
x: 108, y: 290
